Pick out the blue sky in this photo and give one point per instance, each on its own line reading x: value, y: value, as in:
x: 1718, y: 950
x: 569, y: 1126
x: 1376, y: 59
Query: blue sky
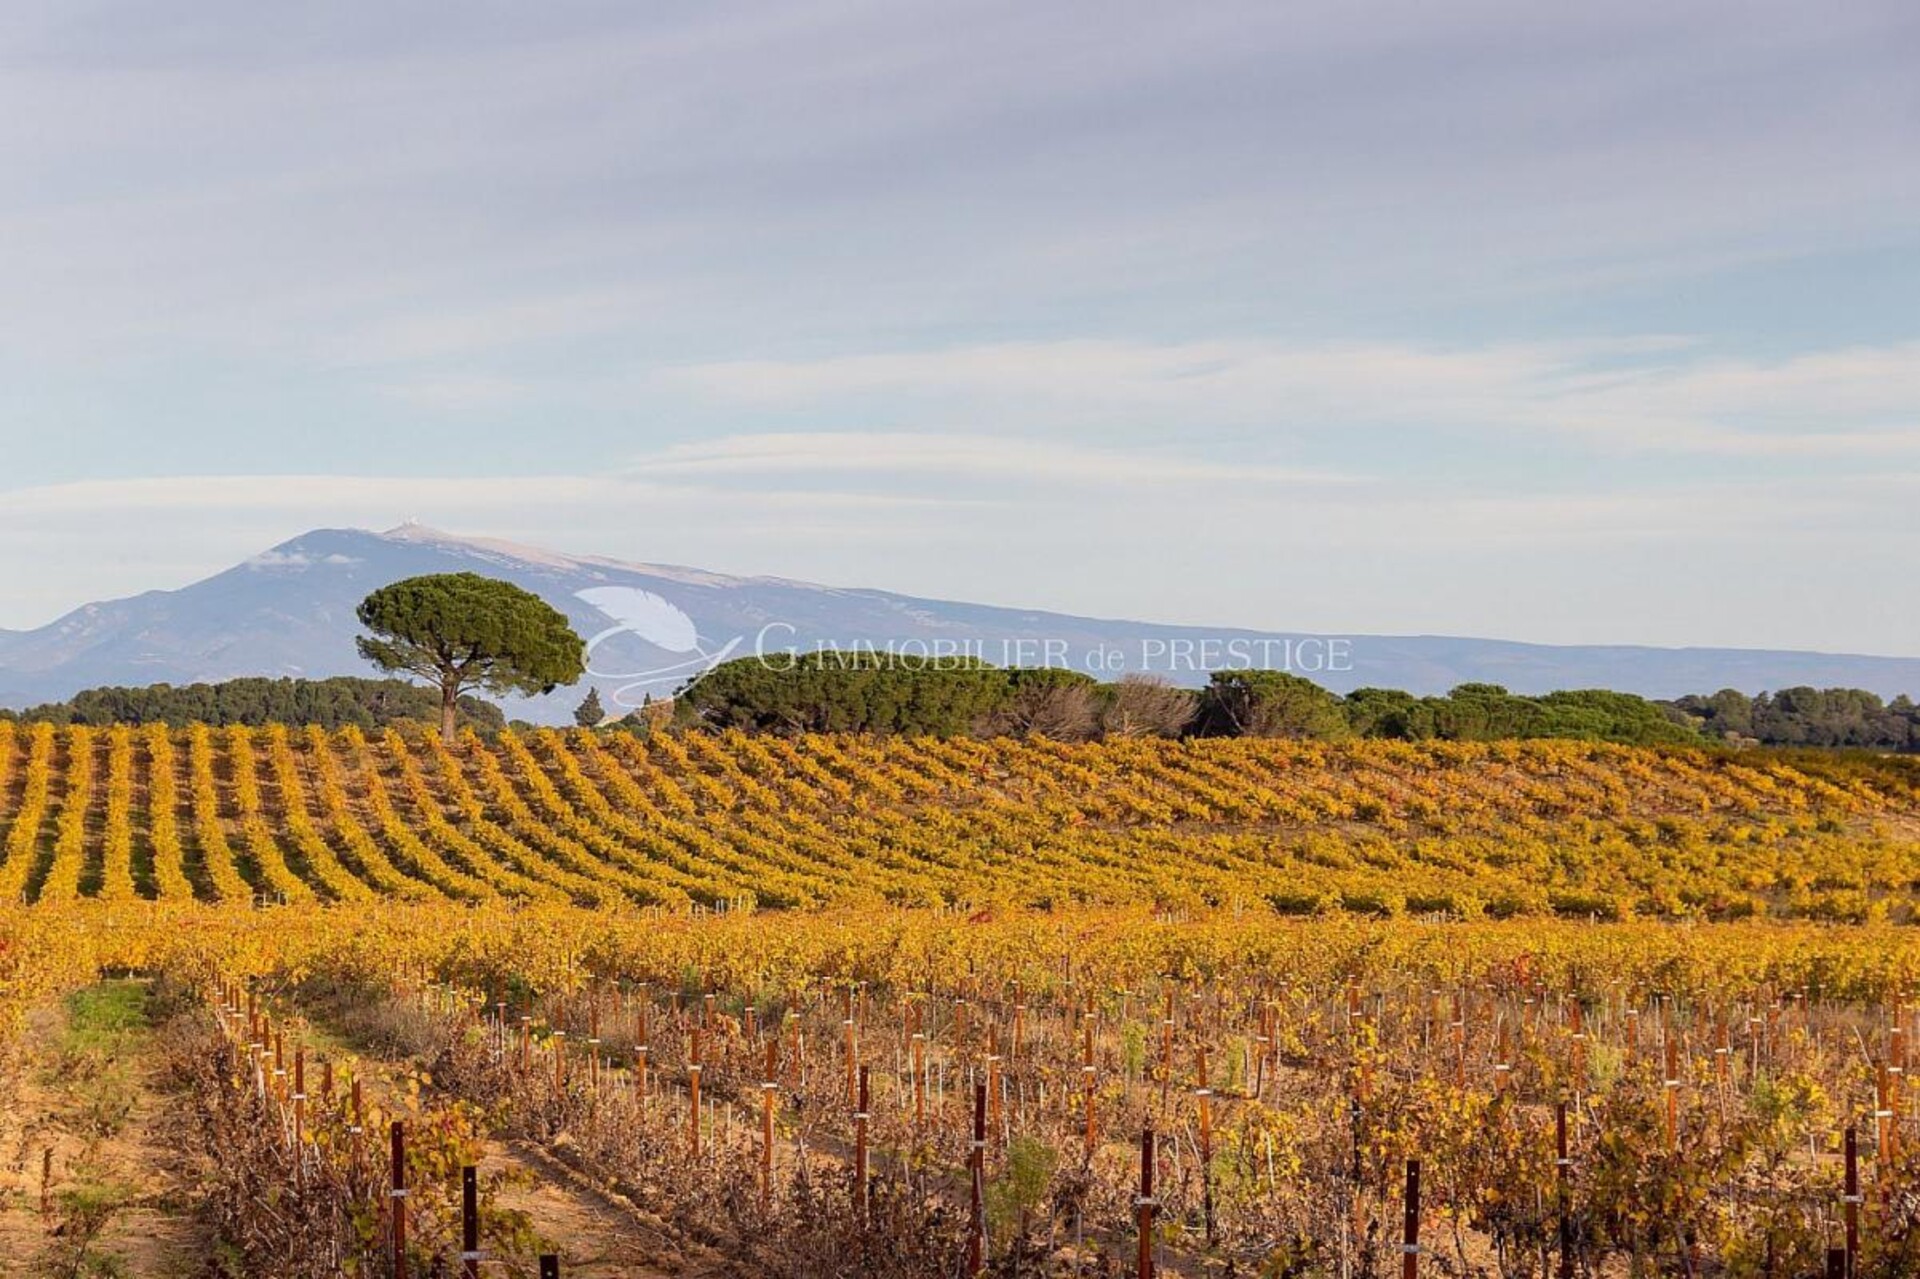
x: 1552, y: 323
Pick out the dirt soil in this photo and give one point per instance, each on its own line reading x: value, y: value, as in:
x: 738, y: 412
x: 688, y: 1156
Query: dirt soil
x: 88, y: 1185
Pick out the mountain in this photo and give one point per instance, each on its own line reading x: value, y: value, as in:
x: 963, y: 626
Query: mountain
x: 290, y: 611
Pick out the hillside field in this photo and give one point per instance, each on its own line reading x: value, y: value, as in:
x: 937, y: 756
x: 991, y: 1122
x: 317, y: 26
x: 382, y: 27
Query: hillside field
x: 729, y: 1005
x: 1499, y: 829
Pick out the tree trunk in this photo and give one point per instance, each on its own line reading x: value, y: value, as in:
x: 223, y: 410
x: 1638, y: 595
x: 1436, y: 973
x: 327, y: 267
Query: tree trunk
x: 449, y: 697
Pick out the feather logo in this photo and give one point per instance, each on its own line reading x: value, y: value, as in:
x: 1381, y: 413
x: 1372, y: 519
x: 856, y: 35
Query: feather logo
x: 664, y: 625
x: 646, y: 615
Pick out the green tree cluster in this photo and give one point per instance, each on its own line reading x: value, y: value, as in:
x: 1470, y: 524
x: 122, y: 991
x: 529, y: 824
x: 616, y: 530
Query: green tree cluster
x: 845, y: 692
x: 1823, y: 717
x: 330, y: 703
x: 1488, y: 712
x: 871, y: 693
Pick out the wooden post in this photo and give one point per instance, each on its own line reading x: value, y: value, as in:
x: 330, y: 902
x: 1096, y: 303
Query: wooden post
x: 1019, y: 1022
x: 768, y: 1090
x: 993, y: 1082
x: 1143, y: 1206
x: 1090, y: 1078
x: 299, y: 1104
x: 919, y: 1041
x: 1410, y: 1232
x: 470, y: 1222
x: 355, y: 1126
x: 1563, y: 1177
x: 397, y: 1195
x: 1579, y: 1071
x: 1203, y: 1100
x: 977, y: 1171
x: 1166, y: 1049
x: 593, y: 1046
x: 1851, y: 1200
x: 850, y: 1032
x: 860, y: 1150
x: 1673, y: 1092
x: 1883, y: 1129
x: 693, y: 1098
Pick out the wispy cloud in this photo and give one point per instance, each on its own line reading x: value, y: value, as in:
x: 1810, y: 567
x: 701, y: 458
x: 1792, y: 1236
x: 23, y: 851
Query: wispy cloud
x: 1660, y: 394
x: 996, y: 459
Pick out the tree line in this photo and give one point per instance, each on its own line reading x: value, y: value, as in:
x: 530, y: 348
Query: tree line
x: 1828, y: 717
x: 865, y: 692
x: 330, y: 703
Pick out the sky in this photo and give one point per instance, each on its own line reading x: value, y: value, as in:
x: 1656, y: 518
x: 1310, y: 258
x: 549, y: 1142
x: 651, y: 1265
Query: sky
x: 1557, y: 323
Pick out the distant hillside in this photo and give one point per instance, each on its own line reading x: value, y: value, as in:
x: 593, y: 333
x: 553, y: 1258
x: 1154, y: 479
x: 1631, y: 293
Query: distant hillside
x: 289, y: 612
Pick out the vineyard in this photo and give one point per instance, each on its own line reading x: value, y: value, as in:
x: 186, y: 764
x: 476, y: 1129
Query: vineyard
x: 290, y: 816
x: 294, y: 1003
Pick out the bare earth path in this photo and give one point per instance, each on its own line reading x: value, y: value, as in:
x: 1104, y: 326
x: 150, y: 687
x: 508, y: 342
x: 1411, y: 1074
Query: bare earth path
x: 88, y: 1184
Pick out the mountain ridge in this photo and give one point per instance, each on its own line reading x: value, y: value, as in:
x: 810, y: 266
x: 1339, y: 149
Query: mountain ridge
x: 289, y: 610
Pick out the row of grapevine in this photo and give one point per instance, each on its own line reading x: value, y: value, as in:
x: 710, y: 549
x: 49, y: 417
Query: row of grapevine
x: 1302, y: 828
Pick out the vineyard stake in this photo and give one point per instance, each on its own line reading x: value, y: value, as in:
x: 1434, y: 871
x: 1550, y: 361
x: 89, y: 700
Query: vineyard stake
x: 1579, y: 1045
x: 993, y: 1080
x: 355, y: 1131
x: 768, y: 1088
x: 851, y: 1034
x: 860, y: 1119
x: 919, y: 1072
x: 299, y: 1112
x: 977, y: 1169
x: 1852, y: 1200
x: 1563, y: 1173
x: 1019, y: 1023
x: 1883, y: 1128
x: 1166, y: 1050
x: 1143, y: 1208
x: 470, y: 1222
x: 593, y: 1047
x: 398, y: 1196
x: 693, y: 1098
x: 1203, y: 1098
x: 1410, y: 1232
x: 1673, y: 1093
x: 1090, y: 1075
